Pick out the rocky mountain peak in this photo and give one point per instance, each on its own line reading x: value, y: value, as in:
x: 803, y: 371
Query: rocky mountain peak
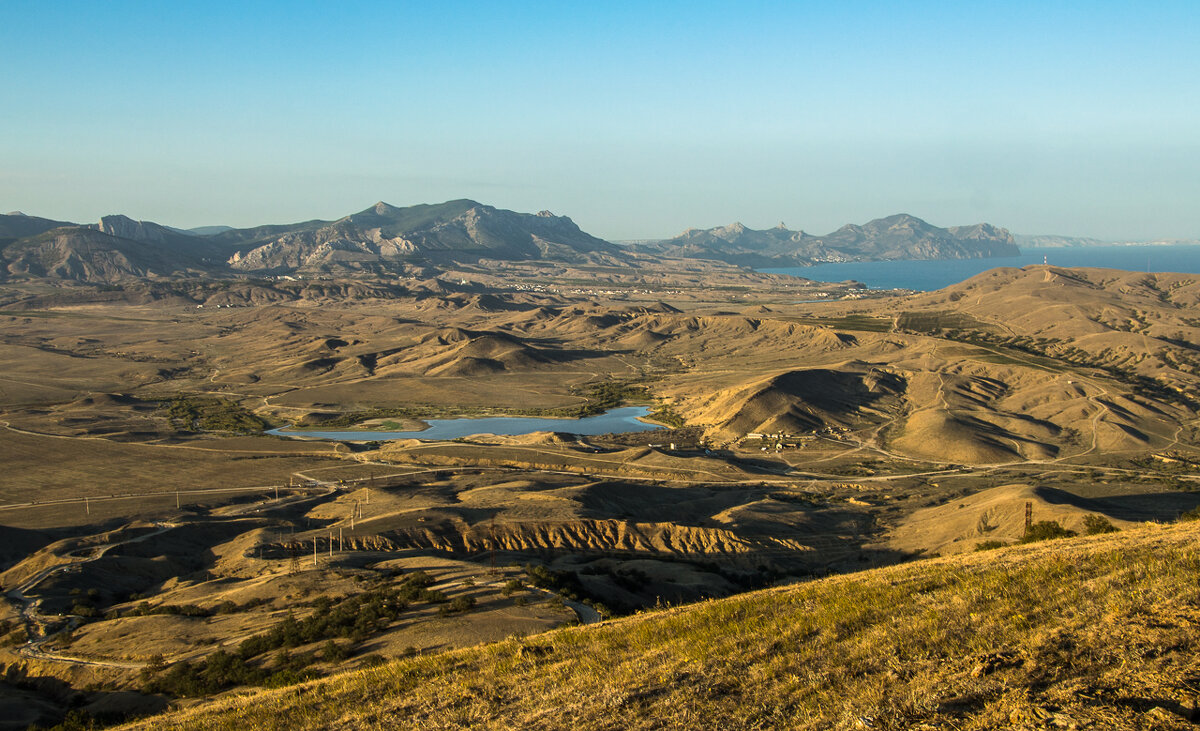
x: 126, y: 228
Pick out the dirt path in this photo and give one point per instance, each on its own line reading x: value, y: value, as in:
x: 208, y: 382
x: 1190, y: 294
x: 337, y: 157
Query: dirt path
x: 37, y: 624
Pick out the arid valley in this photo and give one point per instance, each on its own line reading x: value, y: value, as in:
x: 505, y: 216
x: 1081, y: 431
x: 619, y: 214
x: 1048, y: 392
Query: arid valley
x: 160, y: 549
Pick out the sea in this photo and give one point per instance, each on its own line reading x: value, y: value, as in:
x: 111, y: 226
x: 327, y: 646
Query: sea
x: 928, y: 275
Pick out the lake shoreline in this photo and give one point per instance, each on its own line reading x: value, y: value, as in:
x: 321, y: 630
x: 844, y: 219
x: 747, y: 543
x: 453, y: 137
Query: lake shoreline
x: 614, y: 420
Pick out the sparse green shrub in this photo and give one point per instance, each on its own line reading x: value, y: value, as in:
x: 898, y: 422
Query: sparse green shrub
x: 665, y: 414
x: 510, y: 586
x: 1193, y: 514
x: 1046, y: 530
x: 565, y: 583
x: 1094, y: 525
x: 630, y: 579
x: 462, y: 603
x: 356, y: 618
x: 601, y: 609
x: 84, y: 610
x: 333, y: 652
x: 989, y: 545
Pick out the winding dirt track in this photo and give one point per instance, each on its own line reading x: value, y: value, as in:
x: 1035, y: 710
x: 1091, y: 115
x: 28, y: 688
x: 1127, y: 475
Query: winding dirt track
x: 37, y: 624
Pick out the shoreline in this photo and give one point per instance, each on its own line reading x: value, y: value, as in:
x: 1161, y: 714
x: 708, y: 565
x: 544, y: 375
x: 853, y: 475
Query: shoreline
x: 377, y: 434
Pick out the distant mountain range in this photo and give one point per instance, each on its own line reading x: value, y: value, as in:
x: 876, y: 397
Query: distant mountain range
x: 418, y: 240
x: 1067, y: 242
x: 896, y: 237
x: 381, y: 239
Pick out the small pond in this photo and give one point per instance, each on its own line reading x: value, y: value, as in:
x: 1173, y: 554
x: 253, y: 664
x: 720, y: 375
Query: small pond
x: 624, y: 419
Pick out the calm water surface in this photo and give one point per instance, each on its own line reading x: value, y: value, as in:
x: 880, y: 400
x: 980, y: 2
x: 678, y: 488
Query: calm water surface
x: 614, y: 420
x: 935, y: 274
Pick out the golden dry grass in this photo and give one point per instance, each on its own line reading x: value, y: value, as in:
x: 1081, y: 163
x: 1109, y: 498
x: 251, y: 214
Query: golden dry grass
x: 42, y: 469
x: 1095, y: 632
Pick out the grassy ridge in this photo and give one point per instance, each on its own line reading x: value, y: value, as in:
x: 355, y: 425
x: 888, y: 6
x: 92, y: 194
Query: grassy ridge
x: 1099, y: 630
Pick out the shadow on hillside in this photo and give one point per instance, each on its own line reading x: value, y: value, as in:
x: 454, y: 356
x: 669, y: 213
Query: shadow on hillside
x: 50, y: 698
x: 1161, y: 506
x: 16, y: 544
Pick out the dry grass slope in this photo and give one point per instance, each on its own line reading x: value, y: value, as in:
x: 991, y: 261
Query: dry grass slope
x: 1093, y: 632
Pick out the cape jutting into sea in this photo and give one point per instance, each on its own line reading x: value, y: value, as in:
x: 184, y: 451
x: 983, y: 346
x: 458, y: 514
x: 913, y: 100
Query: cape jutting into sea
x: 927, y: 275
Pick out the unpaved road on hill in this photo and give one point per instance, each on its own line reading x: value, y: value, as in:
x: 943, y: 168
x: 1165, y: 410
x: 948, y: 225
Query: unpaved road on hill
x: 36, y: 623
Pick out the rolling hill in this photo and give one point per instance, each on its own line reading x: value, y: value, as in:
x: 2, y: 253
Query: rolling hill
x: 1079, y: 633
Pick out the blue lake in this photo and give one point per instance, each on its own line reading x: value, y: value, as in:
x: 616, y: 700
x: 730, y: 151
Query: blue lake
x: 614, y: 420
x: 928, y: 275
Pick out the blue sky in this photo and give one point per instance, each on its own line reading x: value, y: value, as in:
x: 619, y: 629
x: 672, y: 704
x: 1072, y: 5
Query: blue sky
x: 636, y: 119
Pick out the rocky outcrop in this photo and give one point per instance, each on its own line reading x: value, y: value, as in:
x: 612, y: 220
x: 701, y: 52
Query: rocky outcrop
x: 383, y: 236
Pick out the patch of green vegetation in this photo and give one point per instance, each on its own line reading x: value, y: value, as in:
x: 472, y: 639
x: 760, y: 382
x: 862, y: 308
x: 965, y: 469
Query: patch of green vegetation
x: 665, y: 413
x: 1094, y: 525
x: 355, y: 618
x: 989, y: 545
x: 566, y: 585
x: 604, y: 396
x: 203, y: 413
x: 1045, y: 530
x: 457, y: 605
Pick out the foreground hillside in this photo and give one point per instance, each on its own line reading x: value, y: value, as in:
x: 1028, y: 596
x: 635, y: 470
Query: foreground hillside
x: 1079, y: 633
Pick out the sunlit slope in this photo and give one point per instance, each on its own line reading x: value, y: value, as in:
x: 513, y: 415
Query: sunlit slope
x: 1035, y: 364
x: 1095, y: 632
x: 1143, y: 323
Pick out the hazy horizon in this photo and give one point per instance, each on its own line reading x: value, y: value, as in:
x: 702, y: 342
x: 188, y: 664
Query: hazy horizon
x: 638, y: 122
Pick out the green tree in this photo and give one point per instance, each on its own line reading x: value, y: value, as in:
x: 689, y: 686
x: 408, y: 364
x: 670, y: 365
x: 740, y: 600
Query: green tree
x: 1094, y: 525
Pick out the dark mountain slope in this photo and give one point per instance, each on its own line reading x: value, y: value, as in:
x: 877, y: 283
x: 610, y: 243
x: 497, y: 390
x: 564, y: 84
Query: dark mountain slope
x: 19, y: 226
x: 86, y: 254
x: 896, y: 237
x: 384, y: 235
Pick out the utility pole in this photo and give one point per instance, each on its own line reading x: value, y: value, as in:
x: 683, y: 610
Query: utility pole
x: 1028, y: 516
x: 87, y: 506
x: 493, y: 543
x: 314, y: 550
x: 177, y: 500
x: 341, y: 543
